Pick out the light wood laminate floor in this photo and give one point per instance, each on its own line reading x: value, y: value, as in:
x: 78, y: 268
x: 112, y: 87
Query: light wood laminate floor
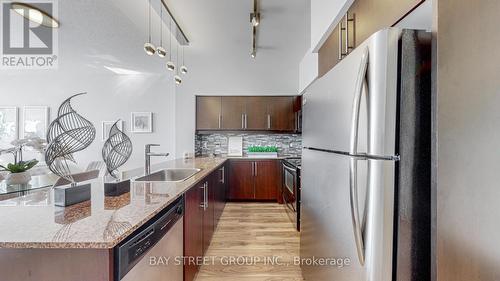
x: 260, y: 232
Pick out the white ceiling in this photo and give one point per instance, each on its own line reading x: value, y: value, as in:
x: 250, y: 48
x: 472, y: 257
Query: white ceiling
x: 220, y: 32
x: 96, y: 34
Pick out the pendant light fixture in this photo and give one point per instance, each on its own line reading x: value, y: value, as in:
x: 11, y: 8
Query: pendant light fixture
x: 34, y: 14
x: 255, y: 21
x: 184, y: 68
x: 170, y: 63
x: 160, y: 50
x: 149, y: 48
x: 177, y: 78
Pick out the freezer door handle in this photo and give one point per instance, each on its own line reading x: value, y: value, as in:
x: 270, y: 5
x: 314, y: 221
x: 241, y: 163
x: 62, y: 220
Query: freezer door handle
x: 353, y: 162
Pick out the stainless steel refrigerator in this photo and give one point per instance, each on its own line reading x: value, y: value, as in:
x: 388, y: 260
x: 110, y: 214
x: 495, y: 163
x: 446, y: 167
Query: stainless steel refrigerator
x: 366, y: 163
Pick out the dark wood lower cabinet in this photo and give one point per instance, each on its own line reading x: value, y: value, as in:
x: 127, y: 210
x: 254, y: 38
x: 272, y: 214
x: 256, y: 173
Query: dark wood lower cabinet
x: 254, y: 180
x: 208, y: 213
x: 267, y: 179
x: 204, y: 204
x: 241, y: 181
x: 220, y: 181
x: 193, y: 230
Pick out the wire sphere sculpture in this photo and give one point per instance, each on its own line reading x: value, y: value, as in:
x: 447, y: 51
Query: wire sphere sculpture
x: 116, y: 150
x: 67, y: 134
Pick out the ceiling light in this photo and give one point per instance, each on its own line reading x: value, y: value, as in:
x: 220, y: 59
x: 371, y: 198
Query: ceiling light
x: 177, y: 79
x: 160, y: 50
x: 170, y: 63
x: 184, y: 69
x: 34, y: 14
x: 255, y: 19
x: 149, y: 48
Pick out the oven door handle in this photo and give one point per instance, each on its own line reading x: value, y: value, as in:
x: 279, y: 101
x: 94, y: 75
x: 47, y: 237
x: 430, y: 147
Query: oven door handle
x: 289, y: 169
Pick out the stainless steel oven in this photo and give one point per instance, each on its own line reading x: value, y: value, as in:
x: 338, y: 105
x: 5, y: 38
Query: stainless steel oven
x: 291, y: 189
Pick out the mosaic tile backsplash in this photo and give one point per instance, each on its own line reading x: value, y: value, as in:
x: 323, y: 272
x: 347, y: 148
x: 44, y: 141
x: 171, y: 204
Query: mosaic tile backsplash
x: 289, y: 145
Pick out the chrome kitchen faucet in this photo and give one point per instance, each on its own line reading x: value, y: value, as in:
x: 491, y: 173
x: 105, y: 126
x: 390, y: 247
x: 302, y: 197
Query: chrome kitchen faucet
x: 147, y: 157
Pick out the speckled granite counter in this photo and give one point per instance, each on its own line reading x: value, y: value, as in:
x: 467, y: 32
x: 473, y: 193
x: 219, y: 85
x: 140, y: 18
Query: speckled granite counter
x: 33, y: 221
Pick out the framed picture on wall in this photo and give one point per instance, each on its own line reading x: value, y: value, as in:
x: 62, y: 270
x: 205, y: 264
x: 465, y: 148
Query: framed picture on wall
x: 141, y: 122
x: 35, y: 121
x: 106, y: 127
x: 8, y: 125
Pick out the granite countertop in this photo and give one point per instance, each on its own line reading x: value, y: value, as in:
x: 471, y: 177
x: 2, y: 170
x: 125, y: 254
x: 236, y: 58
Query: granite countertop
x: 32, y: 221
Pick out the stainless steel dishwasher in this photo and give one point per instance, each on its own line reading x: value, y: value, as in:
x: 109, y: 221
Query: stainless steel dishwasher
x: 150, y: 253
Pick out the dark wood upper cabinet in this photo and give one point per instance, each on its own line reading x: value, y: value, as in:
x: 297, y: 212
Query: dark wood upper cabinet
x: 208, y: 113
x: 233, y: 113
x: 368, y: 16
x: 252, y: 113
x: 281, y: 116
x: 328, y: 55
x: 267, y: 179
x: 256, y: 113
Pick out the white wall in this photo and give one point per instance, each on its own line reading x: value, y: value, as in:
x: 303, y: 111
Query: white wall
x: 95, y: 34
x: 109, y: 97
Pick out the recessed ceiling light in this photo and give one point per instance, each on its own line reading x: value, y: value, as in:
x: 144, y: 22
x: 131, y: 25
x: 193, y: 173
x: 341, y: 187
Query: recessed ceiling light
x: 34, y: 14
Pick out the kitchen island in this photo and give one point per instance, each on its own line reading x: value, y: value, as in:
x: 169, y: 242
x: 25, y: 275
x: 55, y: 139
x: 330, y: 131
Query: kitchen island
x: 40, y: 241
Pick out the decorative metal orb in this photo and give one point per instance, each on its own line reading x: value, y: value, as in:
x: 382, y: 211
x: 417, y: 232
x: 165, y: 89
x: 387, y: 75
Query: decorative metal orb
x: 161, y: 52
x: 170, y: 66
x: 149, y: 48
x: 177, y: 79
x: 184, y: 69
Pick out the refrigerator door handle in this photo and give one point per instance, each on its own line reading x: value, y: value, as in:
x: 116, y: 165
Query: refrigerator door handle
x: 356, y: 103
x: 353, y: 163
x: 356, y: 223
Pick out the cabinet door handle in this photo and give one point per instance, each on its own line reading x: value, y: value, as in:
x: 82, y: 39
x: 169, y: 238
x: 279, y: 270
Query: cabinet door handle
x: 296, y: 121
x: 246, y: 120
x: 255, y: 168
x: 269, y: 121
x: 222, y: 175
x: 340, y: 41
x: 206, y: 195
x: 243, y: 121
x: 344, y: 27
x: 202, y: 205
x: 220, y: 120
x: 346, y: 22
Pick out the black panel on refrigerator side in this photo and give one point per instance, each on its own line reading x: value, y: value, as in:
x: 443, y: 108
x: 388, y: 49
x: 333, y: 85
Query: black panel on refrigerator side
x: 412, y: 221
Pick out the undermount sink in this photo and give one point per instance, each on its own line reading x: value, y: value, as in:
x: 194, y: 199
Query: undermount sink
x: 170, y: 175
